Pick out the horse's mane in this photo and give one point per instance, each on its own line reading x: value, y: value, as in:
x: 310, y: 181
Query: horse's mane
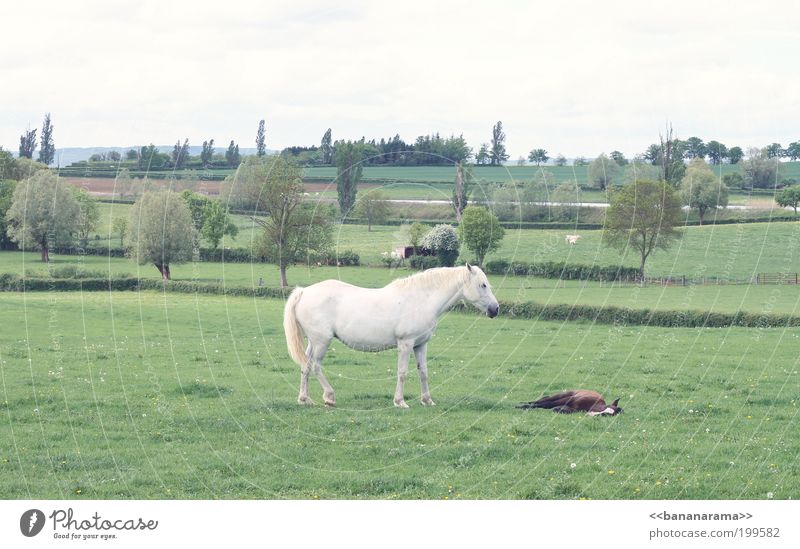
x: 438, y: 277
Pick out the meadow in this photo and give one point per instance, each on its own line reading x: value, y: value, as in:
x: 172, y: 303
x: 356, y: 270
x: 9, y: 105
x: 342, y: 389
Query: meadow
x: 734, y: 251
x: 149, y: 395
x: 777, y: 299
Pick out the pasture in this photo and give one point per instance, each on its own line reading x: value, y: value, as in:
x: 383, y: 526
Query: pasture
x: 147, y: 395
x: 735, y: 251
x: 778, y: 299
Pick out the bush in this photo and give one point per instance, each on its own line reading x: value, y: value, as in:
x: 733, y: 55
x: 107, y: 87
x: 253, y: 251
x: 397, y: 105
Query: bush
x: 424, y: 262
x: 443, y: 241
x: 563, y: 271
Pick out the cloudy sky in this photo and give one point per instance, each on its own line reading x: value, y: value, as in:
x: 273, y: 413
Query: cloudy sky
x: 577, y: 78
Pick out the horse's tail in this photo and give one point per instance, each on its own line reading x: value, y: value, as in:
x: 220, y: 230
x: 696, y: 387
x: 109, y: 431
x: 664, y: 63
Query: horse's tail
x: 292, y: 329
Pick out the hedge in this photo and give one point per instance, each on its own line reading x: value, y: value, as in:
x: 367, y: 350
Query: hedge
x: 529, y: 310
x: 641, y: 317
x: 563, y: 271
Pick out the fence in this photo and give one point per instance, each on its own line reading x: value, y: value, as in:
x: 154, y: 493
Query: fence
x: 760, y: 278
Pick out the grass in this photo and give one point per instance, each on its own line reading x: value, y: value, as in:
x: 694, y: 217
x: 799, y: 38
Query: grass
x: 729, y: 251
x: 125, y: 395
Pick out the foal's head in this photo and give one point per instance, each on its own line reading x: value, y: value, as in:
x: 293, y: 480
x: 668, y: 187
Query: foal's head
x: 478, y: 292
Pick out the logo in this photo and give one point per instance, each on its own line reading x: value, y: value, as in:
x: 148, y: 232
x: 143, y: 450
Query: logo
x: 31, y: 522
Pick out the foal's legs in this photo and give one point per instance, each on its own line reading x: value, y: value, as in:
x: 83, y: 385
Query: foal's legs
x: 404, y: 348
x: 421, y: 352
x: 314, y: 355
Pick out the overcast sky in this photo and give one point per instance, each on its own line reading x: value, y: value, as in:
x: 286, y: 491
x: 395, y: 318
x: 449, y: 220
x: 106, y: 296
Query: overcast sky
x: 577, y: 78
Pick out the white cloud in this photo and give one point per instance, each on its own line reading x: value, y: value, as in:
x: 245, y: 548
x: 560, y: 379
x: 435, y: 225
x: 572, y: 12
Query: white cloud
x: 576, y: 78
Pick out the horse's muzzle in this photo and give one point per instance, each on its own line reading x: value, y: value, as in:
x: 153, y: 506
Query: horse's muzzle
x: 492, y: 311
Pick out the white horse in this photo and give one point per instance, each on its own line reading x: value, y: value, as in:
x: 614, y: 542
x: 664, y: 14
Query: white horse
x: 402, y: 314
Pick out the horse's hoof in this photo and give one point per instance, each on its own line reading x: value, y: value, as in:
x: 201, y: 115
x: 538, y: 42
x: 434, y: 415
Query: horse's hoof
x: 305, y: 401
x: 400, y: 404
x: 428, y: 402
x: 330, y: 404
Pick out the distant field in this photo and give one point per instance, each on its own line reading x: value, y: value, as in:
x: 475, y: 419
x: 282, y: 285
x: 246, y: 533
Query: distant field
x: 731, y: 251
x: 144, y: 395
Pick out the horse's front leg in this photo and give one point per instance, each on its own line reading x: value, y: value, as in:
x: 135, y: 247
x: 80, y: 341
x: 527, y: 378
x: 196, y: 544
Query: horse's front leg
x: 404, y: 348
x: 421, y: 353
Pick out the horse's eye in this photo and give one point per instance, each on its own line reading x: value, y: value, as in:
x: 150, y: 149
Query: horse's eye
x: 483, y: 285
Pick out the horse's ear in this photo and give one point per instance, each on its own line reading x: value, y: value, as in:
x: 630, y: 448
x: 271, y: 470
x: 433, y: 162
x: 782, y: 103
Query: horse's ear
x: 469, y: 267
x: 615, y: 403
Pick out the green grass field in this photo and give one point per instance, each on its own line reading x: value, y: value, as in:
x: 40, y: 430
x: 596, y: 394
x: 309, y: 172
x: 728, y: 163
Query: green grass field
x: 126, y: 395
x: 778, y: 299
x: 730, y: 251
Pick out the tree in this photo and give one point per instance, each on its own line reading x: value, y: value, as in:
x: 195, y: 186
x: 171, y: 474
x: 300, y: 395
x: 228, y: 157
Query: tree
x: 180, y: 153
x: 43, y: 213
x: 149, y: 157
x: 292, y: 231
x: 497, y: 154
x: 672, y: 153
x: 372, y: 206
x: 114, y: 156
x: 793, y: 151
x: 131, y: 154
x: 442, y: 240
x: 643, y: 216
x: 561, y: 160
x: 760, y: 170
x: 207, y: 153
x: 716, y: 151
x: 480, y: 231
x: 735, y: 154
x: 653, y: 155
x: 701, y: 190
x: 695, y: 148
x: 567, y: 196
x: 47, y: 149
x: 733, y: 180
x: 774, y: 150
x: 483, y: 155
x: 538, y: 156
x: 120, y: 226
x: 461, y: 188
x: 326, y: 147
x: 232, y: 156
x: 7, y: 187
x: 580, y: 161
x: 8, y: 167
x: 217, y: 223
x: 602, y: 172
x: 789, y: 196
x: 261, y: 148
x: 88, y: 214
x: 123, y: 184
x: 619, y: 158
x: 416, y: 232
x: 27, y: 143
x: 162, y: 232
x: 348, y: 173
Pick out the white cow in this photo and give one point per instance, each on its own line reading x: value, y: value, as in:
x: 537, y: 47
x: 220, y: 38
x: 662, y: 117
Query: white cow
x: 572, y: 238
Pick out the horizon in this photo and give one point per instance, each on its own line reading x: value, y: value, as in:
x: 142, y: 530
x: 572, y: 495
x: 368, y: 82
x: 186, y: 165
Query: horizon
x: 577, y: 82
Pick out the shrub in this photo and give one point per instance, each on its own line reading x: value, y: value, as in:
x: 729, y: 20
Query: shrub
x: 443, y: 241
x: 423, y: 262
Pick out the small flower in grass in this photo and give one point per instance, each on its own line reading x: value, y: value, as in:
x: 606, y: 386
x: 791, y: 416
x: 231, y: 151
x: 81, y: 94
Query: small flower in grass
x: 770, y: 495
x: 658, y: 483
x: 612, y: 472
x: 572, y: 465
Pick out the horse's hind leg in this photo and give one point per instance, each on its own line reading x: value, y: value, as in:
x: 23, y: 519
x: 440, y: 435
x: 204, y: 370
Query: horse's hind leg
x: 315, y: 361
x: 421, y: 353
x: 305, y: 370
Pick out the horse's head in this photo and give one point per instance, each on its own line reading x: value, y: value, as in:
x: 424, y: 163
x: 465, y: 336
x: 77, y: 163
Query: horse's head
x: 478, y: 292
